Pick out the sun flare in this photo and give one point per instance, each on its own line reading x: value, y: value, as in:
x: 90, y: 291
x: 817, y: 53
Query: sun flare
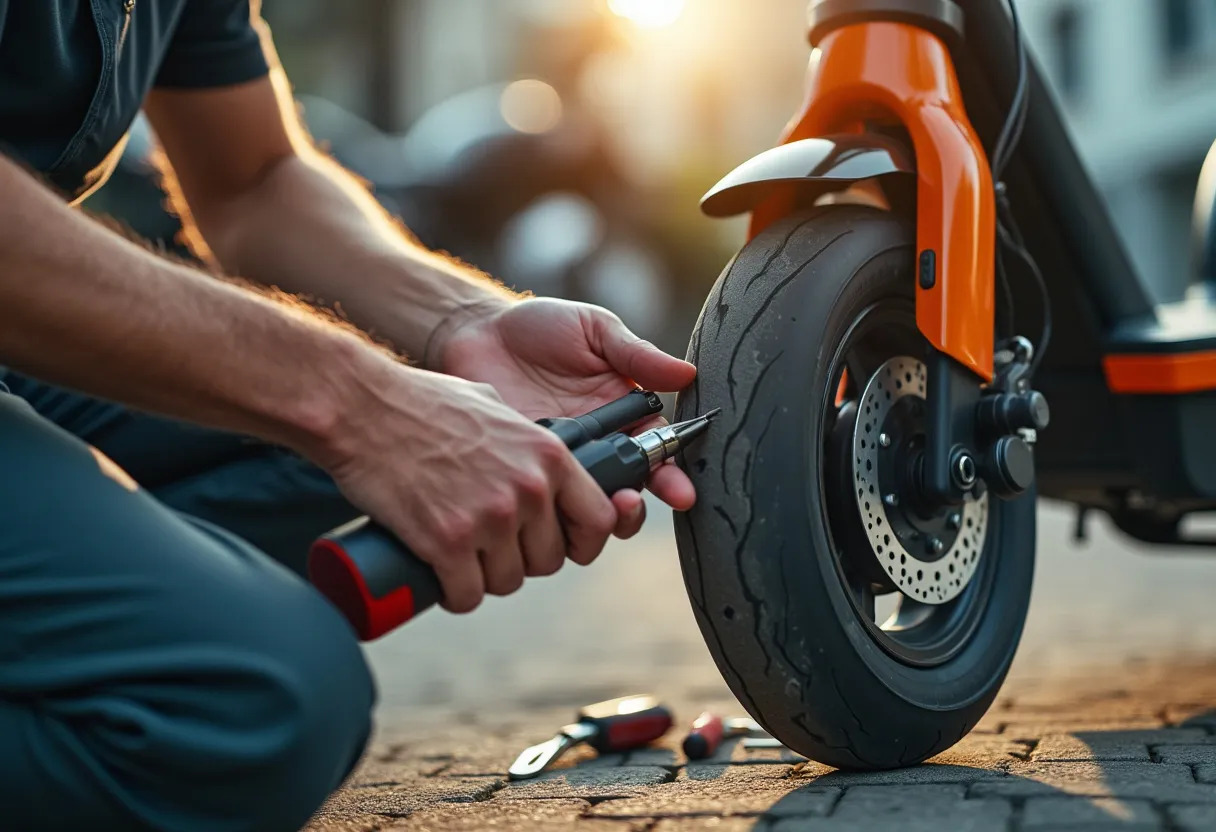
x: 649, y: 14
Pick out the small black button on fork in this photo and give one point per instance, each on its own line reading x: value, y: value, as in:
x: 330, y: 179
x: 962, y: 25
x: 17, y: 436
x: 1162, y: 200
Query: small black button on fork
x: 928, y: 269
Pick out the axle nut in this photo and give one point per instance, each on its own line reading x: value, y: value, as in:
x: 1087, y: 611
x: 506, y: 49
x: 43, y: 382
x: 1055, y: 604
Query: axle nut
x: 963, y: 471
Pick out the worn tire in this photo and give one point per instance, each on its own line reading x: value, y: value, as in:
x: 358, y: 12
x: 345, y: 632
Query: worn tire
x: 755, y: 548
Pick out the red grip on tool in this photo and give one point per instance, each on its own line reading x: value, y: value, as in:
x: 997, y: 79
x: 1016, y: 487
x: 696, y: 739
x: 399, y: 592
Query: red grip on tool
x: 636, y: 730
x: 625, y: 723
x: 704, y: 736
x: 333, y: 572
x: 375, y: 581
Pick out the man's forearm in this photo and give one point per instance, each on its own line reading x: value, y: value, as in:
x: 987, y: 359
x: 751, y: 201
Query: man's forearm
x: 85, y: 308
x: 309, y: 228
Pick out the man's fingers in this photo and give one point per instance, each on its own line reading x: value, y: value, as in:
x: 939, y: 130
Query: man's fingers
x: 543, y: 543
x: 462, y: 580
x: 639, y: 360
x: 588, y: 516
x: 503, y: 567
x: 630, y: 513
x: 672, y: 486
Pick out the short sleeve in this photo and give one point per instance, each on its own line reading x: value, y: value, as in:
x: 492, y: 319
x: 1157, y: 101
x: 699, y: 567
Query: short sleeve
x: 215, y: 43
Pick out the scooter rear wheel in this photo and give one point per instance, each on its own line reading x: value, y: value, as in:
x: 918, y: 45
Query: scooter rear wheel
x: 808, y: 343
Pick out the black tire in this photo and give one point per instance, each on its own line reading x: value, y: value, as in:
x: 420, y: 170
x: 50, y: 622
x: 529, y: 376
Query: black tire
x: 756, y: 550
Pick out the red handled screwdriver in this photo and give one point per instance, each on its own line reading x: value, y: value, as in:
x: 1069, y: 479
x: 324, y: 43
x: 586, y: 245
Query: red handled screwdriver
x: 378, y: 584
x: 616, y: 725
x: 708, y: 730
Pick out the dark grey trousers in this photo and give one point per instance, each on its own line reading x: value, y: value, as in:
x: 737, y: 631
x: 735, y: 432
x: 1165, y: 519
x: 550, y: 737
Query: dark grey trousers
x: 158, y: 670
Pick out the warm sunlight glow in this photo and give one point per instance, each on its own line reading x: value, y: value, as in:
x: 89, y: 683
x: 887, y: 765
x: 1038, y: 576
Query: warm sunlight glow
x: 649, y: 14
x: 531, y: 106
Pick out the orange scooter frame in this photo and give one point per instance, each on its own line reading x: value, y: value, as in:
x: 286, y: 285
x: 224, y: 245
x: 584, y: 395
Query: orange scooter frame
x: 882, y: 72
x: 913, y: 92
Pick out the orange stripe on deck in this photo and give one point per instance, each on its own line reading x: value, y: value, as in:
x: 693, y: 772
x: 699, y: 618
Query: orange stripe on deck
x: 1166, y: 373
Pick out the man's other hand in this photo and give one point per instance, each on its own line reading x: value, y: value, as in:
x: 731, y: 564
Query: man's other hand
x: 549, y: 357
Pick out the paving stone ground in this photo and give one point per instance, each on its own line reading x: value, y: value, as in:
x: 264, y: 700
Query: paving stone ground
x: 1107, y: 722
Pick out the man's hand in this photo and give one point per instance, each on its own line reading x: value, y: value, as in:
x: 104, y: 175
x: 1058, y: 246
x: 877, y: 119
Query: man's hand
x: 478, y: 491
x: 557, y: 358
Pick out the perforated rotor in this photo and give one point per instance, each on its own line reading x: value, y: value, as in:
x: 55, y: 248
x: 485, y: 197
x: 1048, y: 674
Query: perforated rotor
x: 930, y: 580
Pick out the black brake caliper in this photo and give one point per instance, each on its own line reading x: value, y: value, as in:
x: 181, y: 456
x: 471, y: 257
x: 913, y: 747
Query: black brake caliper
x: 1008, y: 417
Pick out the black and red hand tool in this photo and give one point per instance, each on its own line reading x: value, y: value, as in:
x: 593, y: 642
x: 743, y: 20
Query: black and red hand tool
x: 379, y: 584
x: 616, y: 725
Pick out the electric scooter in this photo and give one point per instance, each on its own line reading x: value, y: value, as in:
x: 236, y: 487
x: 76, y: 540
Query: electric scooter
x: 895, y: 396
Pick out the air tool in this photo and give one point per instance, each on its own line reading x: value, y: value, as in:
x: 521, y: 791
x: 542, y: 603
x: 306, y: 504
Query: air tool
x: 378, y: 584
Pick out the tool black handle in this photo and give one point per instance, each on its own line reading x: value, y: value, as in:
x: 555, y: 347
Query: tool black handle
x: 625, y: 411
x: 615, y: 463
x: 620, y: 414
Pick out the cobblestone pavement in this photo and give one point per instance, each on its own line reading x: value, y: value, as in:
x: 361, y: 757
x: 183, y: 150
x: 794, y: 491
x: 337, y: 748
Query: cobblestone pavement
x: 1108, y: 720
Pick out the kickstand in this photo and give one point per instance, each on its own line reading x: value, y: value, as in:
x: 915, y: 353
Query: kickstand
x: 1080, y: 532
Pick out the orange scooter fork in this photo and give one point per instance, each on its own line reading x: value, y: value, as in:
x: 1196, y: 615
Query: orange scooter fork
x: 884, y: 72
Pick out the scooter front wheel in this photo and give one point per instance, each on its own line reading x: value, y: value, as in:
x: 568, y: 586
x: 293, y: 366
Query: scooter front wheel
x: 860, y: 626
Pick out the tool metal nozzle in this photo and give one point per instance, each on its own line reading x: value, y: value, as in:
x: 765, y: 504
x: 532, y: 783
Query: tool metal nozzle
x: 690, y: 430
x: 661, y: 444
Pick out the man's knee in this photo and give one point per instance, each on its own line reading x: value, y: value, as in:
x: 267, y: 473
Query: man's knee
x: 268, y: 712
x: 334, y: 689
x: 304, y: 717
x: 291, y: 714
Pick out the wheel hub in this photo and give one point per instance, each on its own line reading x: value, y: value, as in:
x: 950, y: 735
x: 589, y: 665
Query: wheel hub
x: 929, y: 553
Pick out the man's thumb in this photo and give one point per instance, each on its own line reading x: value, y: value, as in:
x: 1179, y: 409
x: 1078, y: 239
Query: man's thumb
x: 638, y: 359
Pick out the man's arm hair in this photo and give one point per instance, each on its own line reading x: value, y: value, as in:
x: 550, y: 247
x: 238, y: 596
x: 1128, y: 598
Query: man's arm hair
x: 270, y: 206
x: 83, y: 307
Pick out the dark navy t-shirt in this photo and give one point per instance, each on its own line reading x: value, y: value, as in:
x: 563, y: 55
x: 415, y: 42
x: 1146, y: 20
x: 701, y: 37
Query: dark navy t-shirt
x: 74, y: 73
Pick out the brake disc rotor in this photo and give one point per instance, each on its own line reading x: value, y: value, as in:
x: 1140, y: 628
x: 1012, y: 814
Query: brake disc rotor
x: 930, y: 580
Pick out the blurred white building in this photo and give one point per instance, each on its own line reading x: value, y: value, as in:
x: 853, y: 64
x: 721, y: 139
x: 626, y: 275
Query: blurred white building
x: 1138, y: 81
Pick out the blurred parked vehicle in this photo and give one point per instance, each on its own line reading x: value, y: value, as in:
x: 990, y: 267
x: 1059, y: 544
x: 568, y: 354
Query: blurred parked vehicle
x: 509, y: 179
x: 503, y: 177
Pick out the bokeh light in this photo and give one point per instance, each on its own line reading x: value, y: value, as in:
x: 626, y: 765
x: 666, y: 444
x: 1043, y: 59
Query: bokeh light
x: 531, y: 106
x: 649, y: 14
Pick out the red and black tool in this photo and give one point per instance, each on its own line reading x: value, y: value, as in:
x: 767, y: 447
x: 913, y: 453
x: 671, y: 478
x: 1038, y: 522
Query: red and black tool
x: 616, y: 725
x: 378, y: 584
x: 708, y: 730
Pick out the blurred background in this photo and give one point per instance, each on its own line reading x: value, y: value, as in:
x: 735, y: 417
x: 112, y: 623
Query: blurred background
x: 562, y: 145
